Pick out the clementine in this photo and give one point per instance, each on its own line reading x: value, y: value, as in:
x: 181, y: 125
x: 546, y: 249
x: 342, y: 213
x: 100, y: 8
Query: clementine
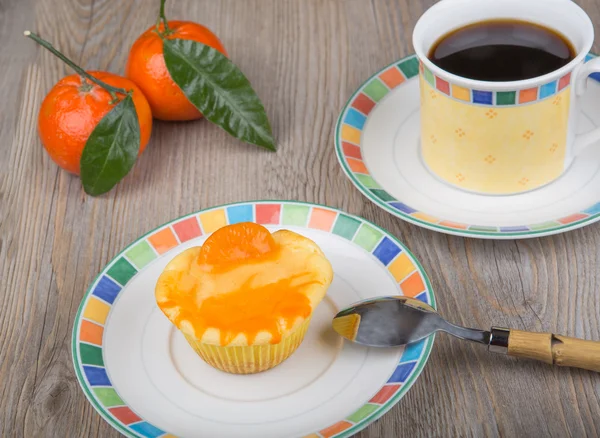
x: 73, y: 108
x: 146, y: 67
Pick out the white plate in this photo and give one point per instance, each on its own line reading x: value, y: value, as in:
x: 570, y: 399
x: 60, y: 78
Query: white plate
x: 377, y: 143
x: 146, y: 381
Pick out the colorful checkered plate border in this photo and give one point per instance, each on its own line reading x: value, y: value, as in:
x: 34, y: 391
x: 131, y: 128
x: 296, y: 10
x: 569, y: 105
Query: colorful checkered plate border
x: 96, y: 305
x: 348, y: 135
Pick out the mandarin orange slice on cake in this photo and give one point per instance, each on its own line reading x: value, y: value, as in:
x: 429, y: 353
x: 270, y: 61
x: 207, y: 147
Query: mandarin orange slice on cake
x: 244, y: 299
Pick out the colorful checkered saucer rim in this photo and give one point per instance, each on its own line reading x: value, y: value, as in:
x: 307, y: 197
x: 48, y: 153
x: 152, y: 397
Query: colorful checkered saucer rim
x: 352, y: 119
x: 88, y: 327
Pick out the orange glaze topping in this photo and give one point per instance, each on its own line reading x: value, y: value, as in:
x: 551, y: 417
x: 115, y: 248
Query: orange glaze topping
x: 249, y: 301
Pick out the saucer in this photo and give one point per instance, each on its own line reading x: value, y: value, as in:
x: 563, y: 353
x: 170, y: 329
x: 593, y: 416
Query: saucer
x: 377, y: 144
x: 144, y: 379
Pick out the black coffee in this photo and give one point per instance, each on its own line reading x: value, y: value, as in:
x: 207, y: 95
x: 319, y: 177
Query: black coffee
x: 502, y: 50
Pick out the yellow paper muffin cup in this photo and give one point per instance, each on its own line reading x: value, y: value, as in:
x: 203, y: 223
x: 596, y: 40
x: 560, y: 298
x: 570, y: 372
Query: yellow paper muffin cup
x: 249, y: 359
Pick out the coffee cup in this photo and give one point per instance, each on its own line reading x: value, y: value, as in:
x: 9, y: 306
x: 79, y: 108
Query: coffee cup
x: 503, y: 137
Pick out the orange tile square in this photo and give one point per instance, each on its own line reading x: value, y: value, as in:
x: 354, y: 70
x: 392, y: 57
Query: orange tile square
x: 322, y: 219
x: 357, y: 166
x: 335, y: 429
x: 401, y: 267
x: 163, y: 241
x: 392, y: 77
x: 91, y: 333
x: 413, y: 285
x: 528, y: 95
x: 456, y: 225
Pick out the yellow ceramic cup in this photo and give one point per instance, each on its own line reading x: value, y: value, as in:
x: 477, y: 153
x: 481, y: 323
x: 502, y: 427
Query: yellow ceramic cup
x: 502, y: 137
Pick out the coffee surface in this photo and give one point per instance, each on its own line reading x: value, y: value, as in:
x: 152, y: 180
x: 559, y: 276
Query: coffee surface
x: 502, y: 50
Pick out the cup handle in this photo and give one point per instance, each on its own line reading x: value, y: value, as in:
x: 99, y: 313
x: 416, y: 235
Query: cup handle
x: 582, y: 141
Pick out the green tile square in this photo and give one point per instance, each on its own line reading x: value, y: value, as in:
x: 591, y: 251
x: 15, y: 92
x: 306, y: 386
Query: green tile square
x: 90, y: 355
x: 141, y: 254
x: 367, y: 237
x: 506, y: 97
x: 428, y: 76
x: 122, y: 271
x: 346, y: 226
x: 367, y: 181
x: 410, y: 67
x: 108, y: 397
x: 484, y: 229
x: 544, y: 225
x: 376, y: 90
x: 383, y: 195
x: 295, y: 215
x: 363, y: 413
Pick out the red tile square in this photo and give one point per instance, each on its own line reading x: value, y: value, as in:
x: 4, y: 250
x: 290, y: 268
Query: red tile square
x: 125, y: 415
x: 268, y: 214
x: 573, y: 218
x: 187, y: 229
x: 442, y: 85
x: 363, y: 104
x: 564, y: 81
x: 351, y: 150
x: 384, y: 394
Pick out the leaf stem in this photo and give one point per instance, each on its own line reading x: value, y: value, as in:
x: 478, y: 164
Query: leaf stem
x: 163, y: 18
x: 84, y: 75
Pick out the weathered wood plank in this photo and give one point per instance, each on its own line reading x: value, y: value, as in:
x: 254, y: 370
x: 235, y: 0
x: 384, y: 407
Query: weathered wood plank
x: 304, y: 58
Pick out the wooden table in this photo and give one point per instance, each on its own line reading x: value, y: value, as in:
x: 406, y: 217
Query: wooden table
x: 304, y: 58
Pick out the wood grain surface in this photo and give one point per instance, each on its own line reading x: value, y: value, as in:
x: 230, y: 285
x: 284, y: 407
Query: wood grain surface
x: 304, y: 58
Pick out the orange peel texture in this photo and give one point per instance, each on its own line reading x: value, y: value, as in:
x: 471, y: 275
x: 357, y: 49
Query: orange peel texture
x: 244, y: 286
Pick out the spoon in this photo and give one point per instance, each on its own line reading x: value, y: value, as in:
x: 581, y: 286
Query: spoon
x: 396, y: 321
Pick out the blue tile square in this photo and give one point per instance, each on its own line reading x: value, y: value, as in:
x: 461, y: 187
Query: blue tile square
x: 594, y: 209
x: 413, y: 351
x: 595, y: 77
x: 96, y: 376
x: 240, y: 213
x: 147, y: 430
x: 107, y: 289
x: 484, y: 97
x: 354, y: 118
x: 423, y: 297
x: 547, y: 89
x: 514, y: 229
x: 589, y: 57
x: 386, y: 251
x: 402, y: 372
x: 402, y: 207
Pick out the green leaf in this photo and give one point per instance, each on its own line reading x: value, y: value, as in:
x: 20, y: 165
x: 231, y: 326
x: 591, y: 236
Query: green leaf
x: 111, y: 149
x: 219, y: 90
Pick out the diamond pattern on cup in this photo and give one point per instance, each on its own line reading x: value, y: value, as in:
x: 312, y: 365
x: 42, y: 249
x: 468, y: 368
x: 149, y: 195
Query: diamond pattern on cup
x: 527, y: 135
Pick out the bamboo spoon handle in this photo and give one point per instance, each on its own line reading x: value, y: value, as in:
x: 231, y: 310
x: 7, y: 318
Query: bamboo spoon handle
x: 552, y: 349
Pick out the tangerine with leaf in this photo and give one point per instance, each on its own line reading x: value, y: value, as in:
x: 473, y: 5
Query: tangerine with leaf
x: 93, y: 124
x: 146, y: 67
x: 185, y: 72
